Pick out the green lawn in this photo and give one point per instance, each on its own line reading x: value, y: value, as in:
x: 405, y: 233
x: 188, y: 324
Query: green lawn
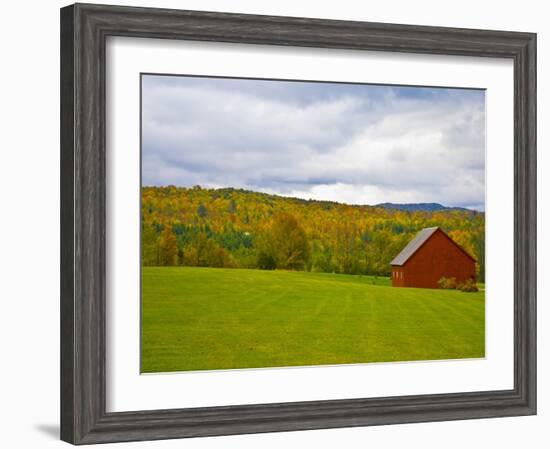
x: 209, y: 318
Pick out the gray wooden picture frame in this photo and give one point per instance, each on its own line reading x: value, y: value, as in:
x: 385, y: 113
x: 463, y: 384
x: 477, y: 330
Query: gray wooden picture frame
x: 84, y: 29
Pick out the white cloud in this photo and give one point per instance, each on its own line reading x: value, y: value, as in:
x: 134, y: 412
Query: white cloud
x: 349, y: 143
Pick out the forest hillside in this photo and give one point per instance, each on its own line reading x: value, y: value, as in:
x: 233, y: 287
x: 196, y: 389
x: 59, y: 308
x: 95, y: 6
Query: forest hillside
x: 234, y: 228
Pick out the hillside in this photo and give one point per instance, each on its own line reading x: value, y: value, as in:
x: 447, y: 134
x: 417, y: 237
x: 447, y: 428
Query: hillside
x: 236, y: 228
x: 426, y: 207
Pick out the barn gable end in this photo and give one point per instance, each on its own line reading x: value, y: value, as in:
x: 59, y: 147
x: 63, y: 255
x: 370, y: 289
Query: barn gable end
x: 431, y: 255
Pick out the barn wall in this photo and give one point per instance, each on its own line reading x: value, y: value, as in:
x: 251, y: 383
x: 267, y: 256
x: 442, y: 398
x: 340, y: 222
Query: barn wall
x: 397, y: 278
x: 437, y: 258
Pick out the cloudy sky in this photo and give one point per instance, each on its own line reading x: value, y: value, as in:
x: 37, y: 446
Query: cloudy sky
x: 351, y: 143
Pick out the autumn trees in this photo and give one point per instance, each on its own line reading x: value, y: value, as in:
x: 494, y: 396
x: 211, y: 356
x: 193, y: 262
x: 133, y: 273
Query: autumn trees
x: 283, y: 244
x: 234, y: 228
x: 168, y: 248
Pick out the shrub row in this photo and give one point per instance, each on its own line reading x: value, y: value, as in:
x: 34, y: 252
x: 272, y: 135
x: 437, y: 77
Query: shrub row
x: 452, y: 284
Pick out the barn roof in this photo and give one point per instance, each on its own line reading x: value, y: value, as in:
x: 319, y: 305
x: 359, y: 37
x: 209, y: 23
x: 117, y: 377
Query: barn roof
x: 413, y: 246
x: 418, y: 241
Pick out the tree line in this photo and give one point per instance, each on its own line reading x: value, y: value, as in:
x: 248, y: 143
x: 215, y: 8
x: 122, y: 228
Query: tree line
x: 235, y: 228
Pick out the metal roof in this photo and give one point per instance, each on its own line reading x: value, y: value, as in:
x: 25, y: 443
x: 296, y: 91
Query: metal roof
x: 413, y: 246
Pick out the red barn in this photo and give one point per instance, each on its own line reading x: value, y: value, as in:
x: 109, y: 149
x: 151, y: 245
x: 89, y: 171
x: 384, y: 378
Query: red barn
x: 428, y: 257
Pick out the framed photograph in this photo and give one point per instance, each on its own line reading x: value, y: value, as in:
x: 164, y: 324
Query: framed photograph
x: 275, y: 223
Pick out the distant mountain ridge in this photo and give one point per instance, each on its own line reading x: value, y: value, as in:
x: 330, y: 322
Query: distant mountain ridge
x: 406, y: 207
x: 425, y: 207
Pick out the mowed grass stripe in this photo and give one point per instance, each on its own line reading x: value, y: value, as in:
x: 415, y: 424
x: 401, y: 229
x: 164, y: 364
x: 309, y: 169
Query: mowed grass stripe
x: 207, y: 318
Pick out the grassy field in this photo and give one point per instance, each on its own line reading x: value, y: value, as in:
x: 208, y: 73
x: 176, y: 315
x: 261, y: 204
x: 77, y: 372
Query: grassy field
x: 209, y: 318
